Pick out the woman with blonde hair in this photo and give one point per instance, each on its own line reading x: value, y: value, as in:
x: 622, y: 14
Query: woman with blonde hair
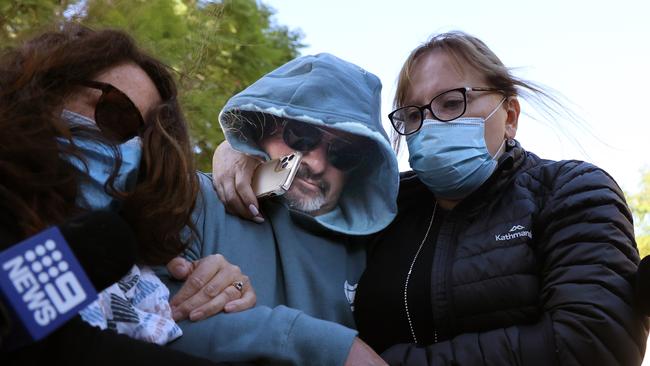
x: 496, y: 256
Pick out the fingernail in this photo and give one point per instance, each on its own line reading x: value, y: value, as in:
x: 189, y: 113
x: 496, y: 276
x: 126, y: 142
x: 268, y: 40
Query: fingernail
x: 253, y: 210
x: 196, y: 315
x: 258, y: 219
x: 229, y: 308
x: 176, y: 314
x: 180, y: 269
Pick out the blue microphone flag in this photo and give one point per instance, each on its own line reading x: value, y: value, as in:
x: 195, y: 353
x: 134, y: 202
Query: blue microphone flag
x: 43, y: 282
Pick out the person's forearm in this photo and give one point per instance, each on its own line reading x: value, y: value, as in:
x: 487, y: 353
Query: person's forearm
x: 529, y: 345
x: 280, y: 334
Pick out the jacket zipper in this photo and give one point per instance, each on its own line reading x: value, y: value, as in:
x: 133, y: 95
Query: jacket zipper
x: 448, y: 267
x: 445, y: 253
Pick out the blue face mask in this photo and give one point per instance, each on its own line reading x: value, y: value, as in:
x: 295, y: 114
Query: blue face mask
x: 451, y: 158
x: 99, y: 160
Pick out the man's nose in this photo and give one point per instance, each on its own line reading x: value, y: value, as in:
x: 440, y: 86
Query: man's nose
x: 316, y: 159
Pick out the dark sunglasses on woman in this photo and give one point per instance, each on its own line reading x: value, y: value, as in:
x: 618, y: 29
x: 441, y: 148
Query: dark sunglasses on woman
x: 341, y: 153
x: 115, y: 113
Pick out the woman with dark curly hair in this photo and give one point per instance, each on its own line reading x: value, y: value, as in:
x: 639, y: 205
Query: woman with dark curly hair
x: 89, y: 122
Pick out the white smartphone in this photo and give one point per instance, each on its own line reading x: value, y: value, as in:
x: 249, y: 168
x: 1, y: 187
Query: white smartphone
x: 274, y: 177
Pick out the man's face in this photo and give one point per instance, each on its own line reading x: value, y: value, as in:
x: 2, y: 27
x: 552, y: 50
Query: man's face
x: 318, y: 184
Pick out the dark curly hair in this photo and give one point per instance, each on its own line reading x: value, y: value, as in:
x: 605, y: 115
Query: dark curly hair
x: 38, y: 186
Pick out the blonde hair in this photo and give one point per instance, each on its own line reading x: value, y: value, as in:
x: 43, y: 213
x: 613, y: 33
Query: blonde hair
x: 468, y: 50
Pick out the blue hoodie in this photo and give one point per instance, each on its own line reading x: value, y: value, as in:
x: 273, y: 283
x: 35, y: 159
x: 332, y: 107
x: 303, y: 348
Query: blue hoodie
x: 304, y: 269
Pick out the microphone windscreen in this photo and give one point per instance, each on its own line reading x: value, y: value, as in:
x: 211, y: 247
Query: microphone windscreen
x: 104, y: 245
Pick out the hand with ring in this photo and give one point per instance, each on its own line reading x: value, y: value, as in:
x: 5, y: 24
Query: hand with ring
x: 211, y: 285
x: 239, y: 285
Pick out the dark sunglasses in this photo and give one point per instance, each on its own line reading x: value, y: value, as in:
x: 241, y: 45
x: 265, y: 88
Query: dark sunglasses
x: 115, y: 114
x: 341, y: 153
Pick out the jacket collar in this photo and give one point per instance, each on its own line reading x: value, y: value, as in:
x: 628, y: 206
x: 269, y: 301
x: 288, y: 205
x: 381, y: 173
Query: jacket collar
x: 511, y: 162
x: 412, y: 190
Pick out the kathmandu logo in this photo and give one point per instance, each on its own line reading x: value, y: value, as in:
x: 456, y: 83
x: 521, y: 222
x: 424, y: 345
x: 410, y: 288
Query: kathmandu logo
x: 517, y: 227
x: 517, y: 231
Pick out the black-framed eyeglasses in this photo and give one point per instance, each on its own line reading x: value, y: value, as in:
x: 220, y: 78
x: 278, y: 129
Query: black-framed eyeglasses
x: 444, y: 107
x: 341, y: 153
x: 115, y: 113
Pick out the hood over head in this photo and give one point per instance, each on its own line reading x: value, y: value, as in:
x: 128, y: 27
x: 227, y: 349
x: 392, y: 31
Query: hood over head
x: 325, y: 91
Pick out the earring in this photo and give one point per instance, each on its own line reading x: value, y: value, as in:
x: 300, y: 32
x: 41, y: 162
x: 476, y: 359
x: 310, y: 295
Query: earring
x: 511, y: 143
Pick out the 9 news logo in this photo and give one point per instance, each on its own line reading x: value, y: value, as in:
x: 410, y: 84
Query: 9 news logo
x: 44, y: 283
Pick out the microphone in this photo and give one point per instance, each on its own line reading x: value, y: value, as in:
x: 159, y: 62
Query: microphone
x: 642, y: 288
x: 104, y: 244
x: 48, y: 278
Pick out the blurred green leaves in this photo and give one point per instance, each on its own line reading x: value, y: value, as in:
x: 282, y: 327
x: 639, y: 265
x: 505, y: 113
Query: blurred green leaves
x: 640, y: 204
x: 216, y: 47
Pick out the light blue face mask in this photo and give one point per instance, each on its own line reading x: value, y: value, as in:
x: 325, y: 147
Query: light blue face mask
x: 451, y: 158
x: 100, y: 159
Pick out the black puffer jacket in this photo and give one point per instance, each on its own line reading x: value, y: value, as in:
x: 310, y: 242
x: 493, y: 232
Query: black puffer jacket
x: 534, y: 268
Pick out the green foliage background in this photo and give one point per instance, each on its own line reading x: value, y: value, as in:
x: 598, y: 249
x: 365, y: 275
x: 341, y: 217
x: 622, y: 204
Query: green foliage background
x: 640, y: 204
x: 216, y: 47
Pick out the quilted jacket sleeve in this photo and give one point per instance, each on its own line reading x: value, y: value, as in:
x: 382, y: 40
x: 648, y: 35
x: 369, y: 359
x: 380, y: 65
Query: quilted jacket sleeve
x: 587, y: 255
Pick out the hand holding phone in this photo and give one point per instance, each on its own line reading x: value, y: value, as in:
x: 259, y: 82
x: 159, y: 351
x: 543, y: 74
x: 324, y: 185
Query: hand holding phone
x: 274, y: 177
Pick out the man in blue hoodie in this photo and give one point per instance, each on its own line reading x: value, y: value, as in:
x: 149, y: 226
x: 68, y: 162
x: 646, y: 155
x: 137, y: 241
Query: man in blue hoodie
x: 301, y: 259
